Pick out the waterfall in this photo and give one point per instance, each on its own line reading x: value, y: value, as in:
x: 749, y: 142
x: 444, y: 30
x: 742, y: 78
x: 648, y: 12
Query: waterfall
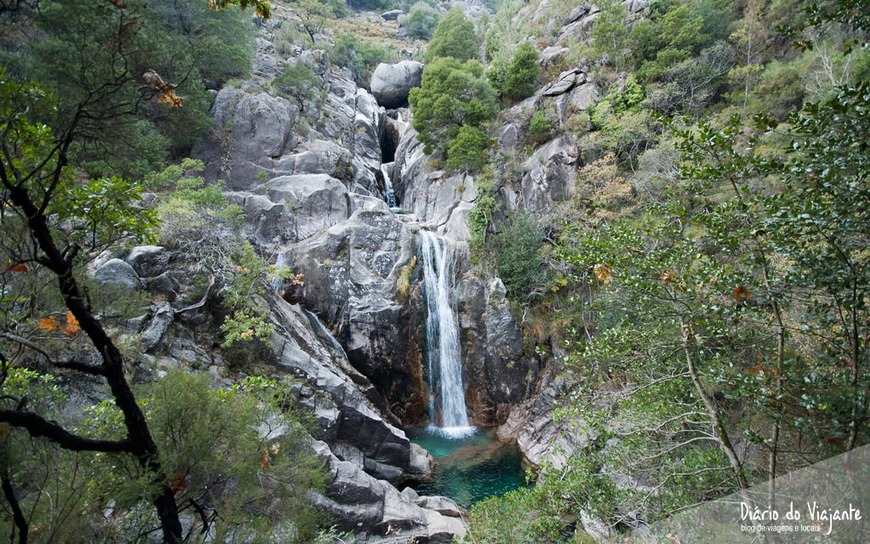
x: 442, y: 334
x: 280, y: 266
x: 388, y: 184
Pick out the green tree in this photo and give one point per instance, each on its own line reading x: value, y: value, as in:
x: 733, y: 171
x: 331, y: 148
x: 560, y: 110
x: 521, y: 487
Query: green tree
x: 35, y: 182
x: 454, y: 37
x: 522, y: 73
x: 820, y: 223
x: 159, y: 54
x: 101, y: 81
x: 421, y: 21
x: 468, y: 150
x: 220, y: 42
x: 452, y: 95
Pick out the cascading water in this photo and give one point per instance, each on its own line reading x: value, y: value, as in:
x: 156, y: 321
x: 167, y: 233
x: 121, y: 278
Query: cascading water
x: 442, y: 334
x: 280, y: 265
x: 388, y: 184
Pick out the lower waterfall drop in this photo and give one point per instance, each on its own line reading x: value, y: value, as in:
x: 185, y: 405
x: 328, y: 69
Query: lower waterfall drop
x: 442, y: 334
x: 388, y: 186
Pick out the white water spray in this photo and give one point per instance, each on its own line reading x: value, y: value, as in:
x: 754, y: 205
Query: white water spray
x: 388, y: 184
x: 442, y: 333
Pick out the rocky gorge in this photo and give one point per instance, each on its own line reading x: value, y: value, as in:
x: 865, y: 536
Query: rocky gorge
x: 315, y: 177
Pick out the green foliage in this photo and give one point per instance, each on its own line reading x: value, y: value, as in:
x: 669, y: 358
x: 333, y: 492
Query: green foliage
x: 358, y: 55
x: 517, y: 250
x: 540, y: 127
x: 454, y: 37
x: 298, y: 82
x: 481, y: 216
x: 198, y: 221
x: 468, y: 150
x: 103, y: 206
x: 522, y: 73
x: 210, y: 439
x: 421, y: 21
x: 610, y: 35
x: 622, y: 126
x: 221, y: 42
x: 694, y: 83
x: 221, y: 468
x: 452, y: 95
x: 125, y: 63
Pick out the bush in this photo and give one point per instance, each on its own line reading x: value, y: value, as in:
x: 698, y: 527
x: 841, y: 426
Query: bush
x: 299, y: 83
x: 454, y: 37
x: 517, y: 250
x: 359, y: 56
x: 522, y: 73
x: 540, y: 128
x: 468, y: 150
x: 452, y: 95
x: 421, y: 21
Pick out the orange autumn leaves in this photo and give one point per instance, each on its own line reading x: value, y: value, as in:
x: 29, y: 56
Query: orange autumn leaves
x: 50, y: 323
x: 165, y: 92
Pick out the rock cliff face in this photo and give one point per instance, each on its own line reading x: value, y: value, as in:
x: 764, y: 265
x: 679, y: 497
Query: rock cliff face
x: 311, y: 176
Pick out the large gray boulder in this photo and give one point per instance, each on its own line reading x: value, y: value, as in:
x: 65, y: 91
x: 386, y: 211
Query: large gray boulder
x: 317, y: 201
x: 149, y: 261
x: 391, y: 83
x: 391, y: 15
x: 262, y: 127
x: 360, y: 502
x: 118, y: 273
x: 541, y: 437
x: 499, y: 374
x: 157, y: 327
x: 339, y: 395
x: 565, y: 82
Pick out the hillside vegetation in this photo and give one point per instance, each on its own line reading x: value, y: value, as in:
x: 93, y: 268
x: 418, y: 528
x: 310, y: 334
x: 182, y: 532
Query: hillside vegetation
x: 697, y: 281
x: 706, y: 287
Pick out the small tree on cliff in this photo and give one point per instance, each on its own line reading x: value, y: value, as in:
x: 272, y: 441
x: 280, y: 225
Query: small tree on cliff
x: 521, y: 73
x: 452, y: 95
x: 454, y: 37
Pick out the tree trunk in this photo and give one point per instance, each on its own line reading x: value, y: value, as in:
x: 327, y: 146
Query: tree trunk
x: 142, y: 444
x: 712, y: 410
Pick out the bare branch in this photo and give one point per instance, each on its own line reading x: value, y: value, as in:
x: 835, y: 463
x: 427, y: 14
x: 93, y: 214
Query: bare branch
x: 36, y: 425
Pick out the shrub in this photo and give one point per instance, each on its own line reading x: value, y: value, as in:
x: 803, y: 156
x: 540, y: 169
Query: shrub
x: 454, y: 37
x: 522, y: 73
x: 468, y: 150
x: 421, y: 21
x: 517, y: 250
x: 452, y: 95
x: 540, y: 128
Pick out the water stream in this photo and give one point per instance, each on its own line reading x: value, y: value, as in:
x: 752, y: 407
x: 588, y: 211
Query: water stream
x: 388, y: 185
x: 447, y: 409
